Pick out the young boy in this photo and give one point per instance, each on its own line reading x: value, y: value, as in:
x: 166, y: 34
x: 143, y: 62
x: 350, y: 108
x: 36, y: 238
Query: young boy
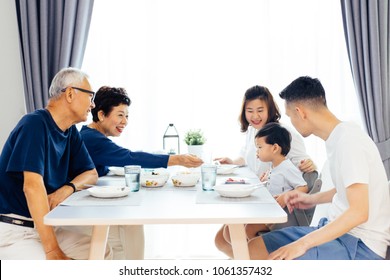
x: 273, y: 144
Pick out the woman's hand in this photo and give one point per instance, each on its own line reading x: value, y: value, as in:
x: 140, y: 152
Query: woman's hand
x: 224, y: 160
x: 307, y: 165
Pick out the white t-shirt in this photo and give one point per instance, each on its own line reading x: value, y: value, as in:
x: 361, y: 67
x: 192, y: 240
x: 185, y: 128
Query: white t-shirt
x: 248, y: 151
x: 354, y: 158
x: 284, y: 177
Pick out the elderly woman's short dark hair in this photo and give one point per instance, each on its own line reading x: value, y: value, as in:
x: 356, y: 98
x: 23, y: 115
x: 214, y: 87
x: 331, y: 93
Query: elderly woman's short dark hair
x: 107, y: 98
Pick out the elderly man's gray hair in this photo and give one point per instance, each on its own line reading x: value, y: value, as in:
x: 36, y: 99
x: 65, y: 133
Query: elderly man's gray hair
x: 64, y: 78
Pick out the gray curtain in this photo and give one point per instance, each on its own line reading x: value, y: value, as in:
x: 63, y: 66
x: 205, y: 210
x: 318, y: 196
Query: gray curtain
x: 366, y: 28
x: 53, y: 35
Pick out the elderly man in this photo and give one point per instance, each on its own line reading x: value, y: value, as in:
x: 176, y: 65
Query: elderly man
x: 44, y: 161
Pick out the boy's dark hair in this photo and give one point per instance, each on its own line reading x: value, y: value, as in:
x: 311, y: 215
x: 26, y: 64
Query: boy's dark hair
x: 305, y: 89
x: 274, y: 133
x: 261, y: 93
x: 107, y: 98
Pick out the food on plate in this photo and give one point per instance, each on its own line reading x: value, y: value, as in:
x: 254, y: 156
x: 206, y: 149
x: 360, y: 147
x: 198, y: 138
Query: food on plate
x: 235, y: 181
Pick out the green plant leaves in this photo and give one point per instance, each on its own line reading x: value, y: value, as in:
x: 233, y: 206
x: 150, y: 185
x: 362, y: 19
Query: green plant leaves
x: 194, y: 137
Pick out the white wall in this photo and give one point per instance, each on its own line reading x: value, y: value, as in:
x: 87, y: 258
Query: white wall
x: 11, y: 82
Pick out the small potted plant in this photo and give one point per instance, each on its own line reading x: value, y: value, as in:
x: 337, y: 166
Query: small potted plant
x: 195, y: 141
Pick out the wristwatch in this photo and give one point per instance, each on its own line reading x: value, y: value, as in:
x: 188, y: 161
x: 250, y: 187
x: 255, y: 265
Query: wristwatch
x: 71, y: 185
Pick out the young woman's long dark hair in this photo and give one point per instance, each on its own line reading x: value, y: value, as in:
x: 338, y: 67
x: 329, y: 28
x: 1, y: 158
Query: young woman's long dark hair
x: 261, y: 93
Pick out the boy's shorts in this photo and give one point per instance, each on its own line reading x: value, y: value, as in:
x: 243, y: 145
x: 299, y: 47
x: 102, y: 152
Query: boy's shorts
x: 346, y: 247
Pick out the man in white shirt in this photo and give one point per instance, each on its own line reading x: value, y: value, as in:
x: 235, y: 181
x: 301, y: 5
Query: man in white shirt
x: 358, y: 222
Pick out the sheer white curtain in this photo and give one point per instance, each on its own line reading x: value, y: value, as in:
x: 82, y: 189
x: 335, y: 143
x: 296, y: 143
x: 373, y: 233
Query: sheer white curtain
x: 190, y: 62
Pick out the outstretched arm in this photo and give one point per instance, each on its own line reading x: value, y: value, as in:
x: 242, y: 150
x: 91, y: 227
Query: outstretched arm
x: 186, y: 160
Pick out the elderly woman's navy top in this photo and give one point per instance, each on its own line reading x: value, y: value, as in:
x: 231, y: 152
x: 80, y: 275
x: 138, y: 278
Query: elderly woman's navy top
x: 104, y: 153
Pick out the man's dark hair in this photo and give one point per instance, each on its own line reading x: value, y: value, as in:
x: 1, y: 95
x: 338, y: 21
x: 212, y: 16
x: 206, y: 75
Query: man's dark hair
x: 274, y: 133
x: 304, y: 89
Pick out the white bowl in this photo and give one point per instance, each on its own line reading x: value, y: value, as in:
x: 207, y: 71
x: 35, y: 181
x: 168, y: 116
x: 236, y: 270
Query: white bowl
x: 154, y: 177
x: 155, y: 172
x: 153, y: 181
x: 235, y: 190
x: 226, y: 168
x: 196, y: 174
x: 185, y: 179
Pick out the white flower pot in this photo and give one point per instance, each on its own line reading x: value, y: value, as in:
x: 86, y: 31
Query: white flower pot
x: 195, y: 150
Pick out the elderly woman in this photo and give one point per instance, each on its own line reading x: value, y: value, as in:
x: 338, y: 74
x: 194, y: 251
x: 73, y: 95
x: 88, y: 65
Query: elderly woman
x: 110, y: 117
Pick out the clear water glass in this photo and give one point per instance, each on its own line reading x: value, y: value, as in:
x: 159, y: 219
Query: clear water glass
x: 133, y: 177
x: 209, y: 176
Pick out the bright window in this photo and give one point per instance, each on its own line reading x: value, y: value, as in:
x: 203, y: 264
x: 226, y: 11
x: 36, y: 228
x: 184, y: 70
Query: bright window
x: 190, y: 62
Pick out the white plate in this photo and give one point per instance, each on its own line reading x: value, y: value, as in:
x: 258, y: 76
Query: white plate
x: 119, y: 171
x: 109, y: 191
x: 235, y: 190
x: 226, y: 168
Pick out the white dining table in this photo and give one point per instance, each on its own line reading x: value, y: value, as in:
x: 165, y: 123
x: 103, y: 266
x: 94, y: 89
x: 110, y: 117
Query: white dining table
x: 173, y: 205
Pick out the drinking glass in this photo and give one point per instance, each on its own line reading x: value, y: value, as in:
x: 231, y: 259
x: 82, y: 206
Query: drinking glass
x: 209, y: 176
x: 133, y: 177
